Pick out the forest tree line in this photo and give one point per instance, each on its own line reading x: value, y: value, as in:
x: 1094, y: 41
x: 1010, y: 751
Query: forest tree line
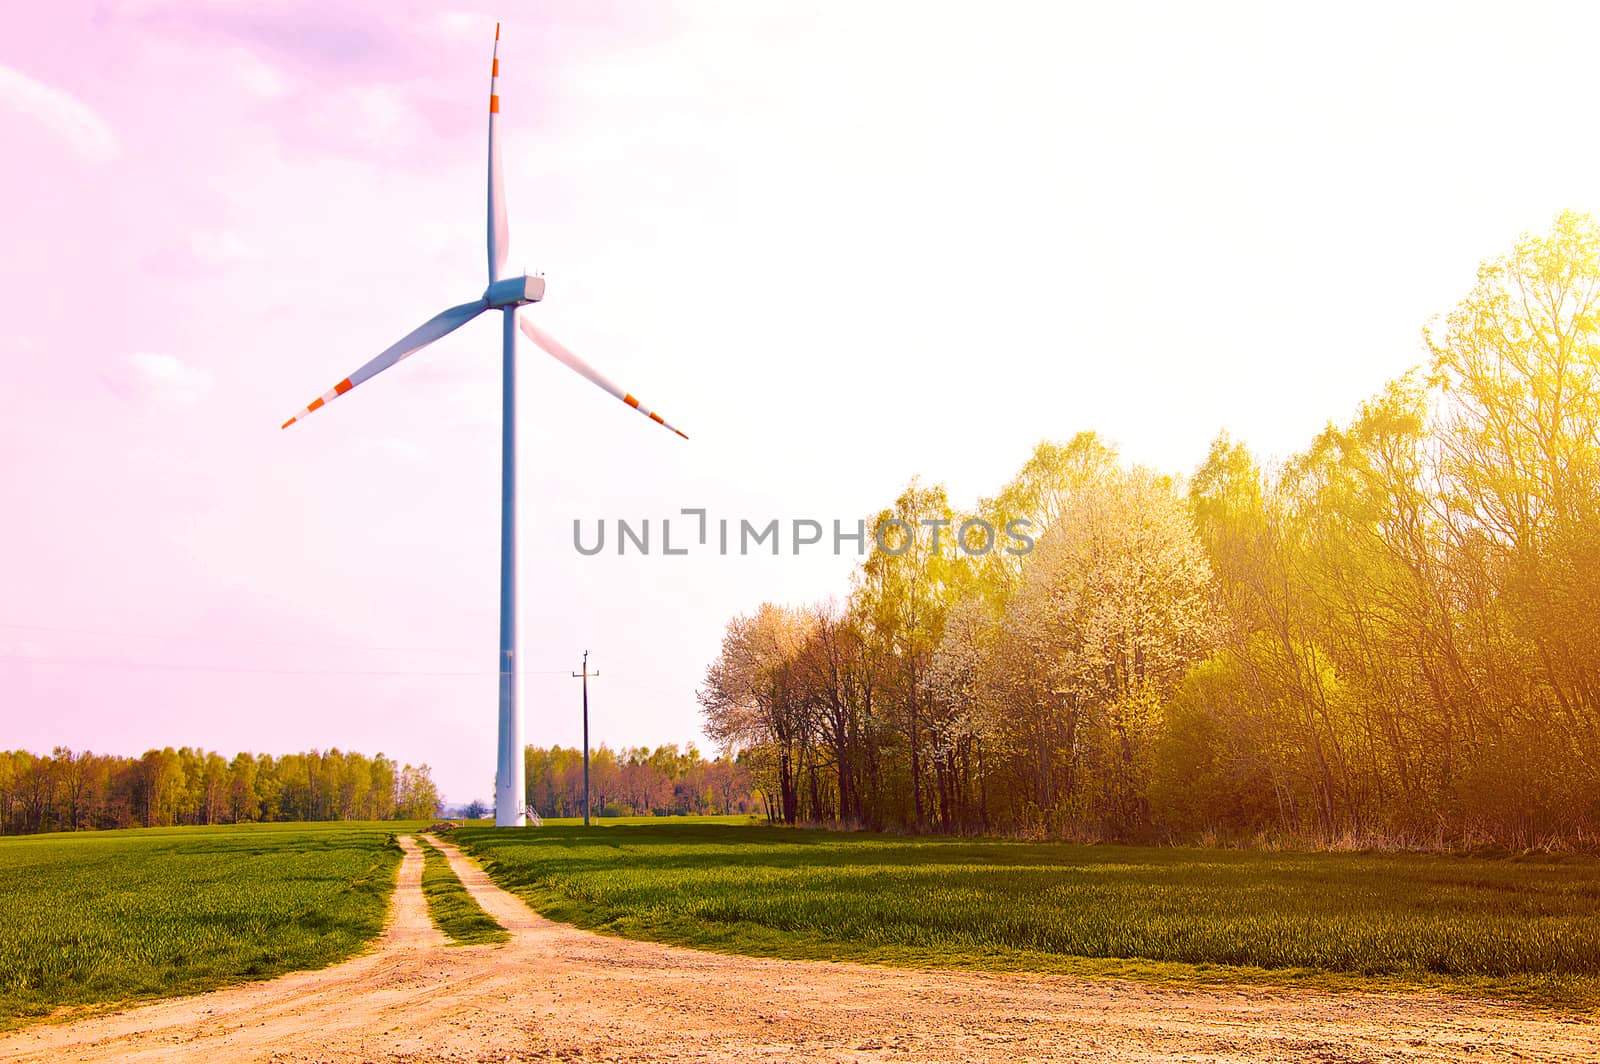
x: 1394, y: 634
x: 67, y: 790
x: 637, y: 781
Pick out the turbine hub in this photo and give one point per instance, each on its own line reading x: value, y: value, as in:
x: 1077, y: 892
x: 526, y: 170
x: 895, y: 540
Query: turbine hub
x: 515, y: 291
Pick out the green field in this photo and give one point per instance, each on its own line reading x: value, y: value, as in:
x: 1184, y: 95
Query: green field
x: 452, y: 908
x: 102, y: 917
x: 1524, y: 928
x: 745, y: 819
x: 99, y: 918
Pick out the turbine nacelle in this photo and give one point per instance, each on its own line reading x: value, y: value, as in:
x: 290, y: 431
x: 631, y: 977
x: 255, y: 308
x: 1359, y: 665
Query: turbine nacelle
x: 514, y: 291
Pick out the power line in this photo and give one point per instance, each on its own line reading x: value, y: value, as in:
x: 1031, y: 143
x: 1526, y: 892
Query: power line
x: 90, y: 663
x: 174, y: 638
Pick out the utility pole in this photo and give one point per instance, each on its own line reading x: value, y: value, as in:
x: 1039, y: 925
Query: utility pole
x: 585, y: 674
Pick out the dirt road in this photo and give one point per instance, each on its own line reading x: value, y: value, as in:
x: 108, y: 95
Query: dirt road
x: 555, y: 993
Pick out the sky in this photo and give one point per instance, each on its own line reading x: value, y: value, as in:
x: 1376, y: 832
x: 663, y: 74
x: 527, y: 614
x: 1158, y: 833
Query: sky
x: 839, y: 245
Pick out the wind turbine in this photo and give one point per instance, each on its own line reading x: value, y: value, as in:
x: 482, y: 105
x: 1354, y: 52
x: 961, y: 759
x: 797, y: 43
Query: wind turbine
x: 505, y: 295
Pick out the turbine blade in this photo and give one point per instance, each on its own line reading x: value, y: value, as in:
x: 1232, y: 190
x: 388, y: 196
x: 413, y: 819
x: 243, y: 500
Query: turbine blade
x: 559, y: 352
x: 499, y: 231
x: 439, y: 325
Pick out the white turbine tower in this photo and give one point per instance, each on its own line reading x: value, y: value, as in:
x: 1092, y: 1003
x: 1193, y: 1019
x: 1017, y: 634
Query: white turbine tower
x: 505, y: 296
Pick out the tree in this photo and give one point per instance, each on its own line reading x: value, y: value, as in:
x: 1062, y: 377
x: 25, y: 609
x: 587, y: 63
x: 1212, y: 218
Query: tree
x: 1517, y: 365
x: 417, y: 797
x: 751, y: 698
x: 1119, y: 602
x: 903, y: 590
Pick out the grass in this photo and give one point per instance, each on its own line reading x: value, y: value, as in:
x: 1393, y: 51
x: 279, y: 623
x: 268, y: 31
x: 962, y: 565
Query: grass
x: 630, y: 821
x: 1523, y: 928
x: 98, y: 918
x: 742, y: 819
x: 452, y: 908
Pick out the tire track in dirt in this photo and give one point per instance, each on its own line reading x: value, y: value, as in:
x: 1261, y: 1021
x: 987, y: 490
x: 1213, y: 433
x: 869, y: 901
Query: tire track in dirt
x: 556, y: 993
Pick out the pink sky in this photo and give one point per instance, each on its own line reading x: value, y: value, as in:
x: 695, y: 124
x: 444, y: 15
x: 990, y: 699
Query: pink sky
x: 838, y: 245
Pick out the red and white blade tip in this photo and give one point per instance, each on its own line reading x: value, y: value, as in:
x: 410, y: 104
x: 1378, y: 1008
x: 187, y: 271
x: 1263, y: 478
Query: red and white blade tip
x: 494, y: 73
x: 321, y: 400
x: 628, y: 397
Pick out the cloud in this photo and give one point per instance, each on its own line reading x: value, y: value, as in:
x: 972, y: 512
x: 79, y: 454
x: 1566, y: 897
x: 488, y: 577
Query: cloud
x: 302, y: 35
x: 21, y: 648
x: 381, y: 112
x: 258, y: 78
x: 467, y: 25
x: 164, y: 378
x: 75, y: 123
x: 219, y: 248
